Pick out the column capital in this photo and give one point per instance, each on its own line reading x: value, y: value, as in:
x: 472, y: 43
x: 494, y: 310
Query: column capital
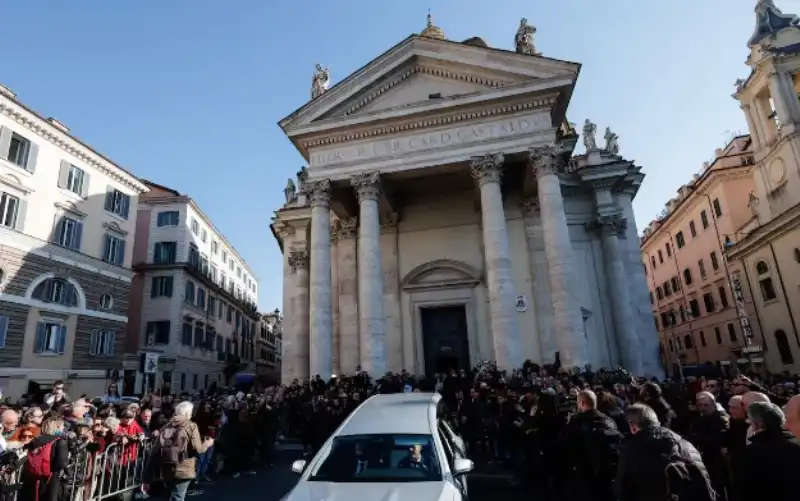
x: 298, y: 259
x: 545, y: 159
x: 346, y: 228
x: 530, y: 204
x: 319, y: 192
x: 611, y: 224
x: 367, y: 185
x: 487, y: 168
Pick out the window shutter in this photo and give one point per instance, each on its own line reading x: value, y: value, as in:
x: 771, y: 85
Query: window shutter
x: 93, y: 342
x: 5, y: 142
x: 22, y: 210
x: 153, y: 282
x: 85, y: 187
x: 157, y: 253
x: 63, y: 174
x: 33, y: 156
x: 3, y: 330
x: 126, y: 202
x: 48, y: 288
x: 112, y: 343
x: 41, y: 336
x: 62, y: 339
x: 109, y: 199
x: 107, y: 248
x: 58, y: 231
x: 168, y: 287
x: 121, y: 252
x: 76, y: 244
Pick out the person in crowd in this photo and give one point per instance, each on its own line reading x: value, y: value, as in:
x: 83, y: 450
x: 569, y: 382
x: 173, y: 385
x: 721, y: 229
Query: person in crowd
x: 9, y: 420
x: 47, y: 458
x: 772, y: 457
x: 793, y: 416
x: 709, y: 432
x: 112, y: 395
x: 652, y: 395
x: 57, y: 396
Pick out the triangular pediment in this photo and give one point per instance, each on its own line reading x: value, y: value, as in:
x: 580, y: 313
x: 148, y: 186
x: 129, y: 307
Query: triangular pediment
x: 411, y: 74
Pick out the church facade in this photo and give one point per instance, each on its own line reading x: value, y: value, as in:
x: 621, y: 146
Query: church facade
x: 443, y: 220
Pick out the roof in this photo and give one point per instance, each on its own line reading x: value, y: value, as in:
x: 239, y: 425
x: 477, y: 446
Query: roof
x: 769, y: 21
x: 407, y: 413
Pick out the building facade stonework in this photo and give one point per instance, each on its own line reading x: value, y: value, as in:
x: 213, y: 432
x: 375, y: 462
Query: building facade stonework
x: 443, y: 220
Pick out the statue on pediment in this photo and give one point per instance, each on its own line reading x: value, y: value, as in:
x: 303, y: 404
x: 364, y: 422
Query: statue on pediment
x: 589, y: 131
x: 612, y: 142
x: 302, y: 177
x: 524, y: 39
x: 320, y: 81
x: 290, y: 192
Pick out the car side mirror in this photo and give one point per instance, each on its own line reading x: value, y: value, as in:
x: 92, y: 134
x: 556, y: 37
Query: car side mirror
x: 300, y: 465
x: 462, y: 466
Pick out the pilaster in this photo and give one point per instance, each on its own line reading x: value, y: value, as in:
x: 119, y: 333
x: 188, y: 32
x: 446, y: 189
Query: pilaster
x: 321, y: 307
x: 349, y: 345
x: 541, y: 281
x: 391, y: 295
x: 296, y: 340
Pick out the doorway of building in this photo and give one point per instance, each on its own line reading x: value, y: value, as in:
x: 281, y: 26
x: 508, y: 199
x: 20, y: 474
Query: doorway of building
x: 445, y: 341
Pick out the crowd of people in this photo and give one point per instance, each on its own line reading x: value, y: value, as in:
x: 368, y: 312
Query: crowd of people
x: 572, y: 434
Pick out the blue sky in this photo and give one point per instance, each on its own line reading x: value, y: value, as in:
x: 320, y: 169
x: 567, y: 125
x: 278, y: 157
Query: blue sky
x: 188, y: 93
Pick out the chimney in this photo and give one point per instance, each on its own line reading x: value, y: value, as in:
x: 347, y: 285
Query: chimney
x: 58, y: 125
x: 5, y: 91
x: 718, y: 152
x: 706, y: 165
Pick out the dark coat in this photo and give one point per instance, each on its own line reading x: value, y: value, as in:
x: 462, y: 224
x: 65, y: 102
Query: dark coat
x: 771, y: 462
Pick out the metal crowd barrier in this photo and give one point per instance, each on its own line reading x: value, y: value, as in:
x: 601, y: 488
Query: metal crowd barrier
x: 10, y: 482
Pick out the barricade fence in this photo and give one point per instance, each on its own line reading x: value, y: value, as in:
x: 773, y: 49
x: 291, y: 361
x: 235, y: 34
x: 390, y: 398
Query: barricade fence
x: 120, y: 470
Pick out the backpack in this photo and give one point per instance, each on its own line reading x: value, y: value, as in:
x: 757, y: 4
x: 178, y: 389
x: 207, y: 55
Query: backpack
x: 685, y: 480
x: 39, y: 461
x: 173, y: 444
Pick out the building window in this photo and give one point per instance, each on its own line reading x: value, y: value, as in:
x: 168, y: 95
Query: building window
x: 51, y: 338
x: 201, y: 298
x: 56, y: 290
x: 168, y: 218
x: 204, y: 235
x: 9, y: 210
x: 653, y: 261
x: 676, y: 284
x: 687, y: 341
x: 704, y: 219
x: 723, y: 297
x: 797, y: 255
x: 186, y: 334
x: 708, y: 299
x: 114, y: 250
x: 194, y: 256
x: 717, y: 208
x: 714, y: 261
x: 158, y: 332
x: 161, y: 286
x: 680, y: 241
x: 117, y: 202
x: 188, y: 294
x: 785, y: 351
x: 102, y: 343
x: 702, y: 339
x: 702, y: 265
x: 204, y: 263
x: 671, y: 345
x: 718, y: 335
x: 199, y: 335
x: 106, y: 302
x: 692, y: 229
x: 3, y: 330
x: 183, y: 381
x: 68, y: 233
x: 165, y: 253
x: 229, y: 316
x: 73, y: 179
x: 732, y: 333
x: 687, y: 276
x: 694, y: 308
x: 212, y: 273
x: 214, y: 247
x: 668, y: 247
x: 659, y: 293
x: 195, y: 226
x: 224, y: 257
x: 762, y: 268
x: 767, y: 289
x: 194, y: 381
x: 239, y: 272
x: 19, y: 149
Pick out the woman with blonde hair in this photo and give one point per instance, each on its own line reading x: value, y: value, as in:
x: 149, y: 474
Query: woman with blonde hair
x: 37, y: 484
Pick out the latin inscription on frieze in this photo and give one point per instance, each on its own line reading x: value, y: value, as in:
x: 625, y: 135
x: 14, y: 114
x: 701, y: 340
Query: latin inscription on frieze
x: 459, y: 136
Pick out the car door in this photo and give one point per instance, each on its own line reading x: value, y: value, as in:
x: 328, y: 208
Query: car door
x: 458, y: 442
x: 451, y: 452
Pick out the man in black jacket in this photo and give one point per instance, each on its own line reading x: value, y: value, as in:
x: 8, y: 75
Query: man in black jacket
x: 771, y: 458
x: 641, y: 471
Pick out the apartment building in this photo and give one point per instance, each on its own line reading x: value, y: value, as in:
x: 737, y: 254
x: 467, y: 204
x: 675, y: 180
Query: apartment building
x: 193, y: 300
x: 268, y: 346
x: 768, y: 243
x: 67, y: 220
x: 701, y: 301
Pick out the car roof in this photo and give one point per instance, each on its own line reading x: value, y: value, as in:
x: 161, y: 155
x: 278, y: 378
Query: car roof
x: 400, y: 413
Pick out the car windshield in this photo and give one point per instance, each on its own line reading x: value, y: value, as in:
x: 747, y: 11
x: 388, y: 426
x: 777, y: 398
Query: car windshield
x: 379, y: 458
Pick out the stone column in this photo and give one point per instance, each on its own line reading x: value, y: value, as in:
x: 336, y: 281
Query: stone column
x: 567, y: 317
x: 391, y: 297
x: 487, y: 171
x: 543, y: 306
x: 755, y: 133
x: 627, y: 340
x: 783, y: 106
x: 349, y: 354
x: 372, y: 329
x: 321, y: 309
x: 768, y: 128
x: 336, y: 335
x: 295, y: 342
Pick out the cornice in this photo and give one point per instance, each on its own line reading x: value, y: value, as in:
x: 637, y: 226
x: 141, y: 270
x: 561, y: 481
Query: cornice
x: 766, y: 233
x: 428, y: 122
x: 69, y: 144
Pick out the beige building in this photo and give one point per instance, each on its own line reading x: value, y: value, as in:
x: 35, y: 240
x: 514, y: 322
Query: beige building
x: 693, y: 288
x: 268, y: 346
x: 193, y: 301
x: 67, y: 219
x: 769, y: 243
x: 443, y: 220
